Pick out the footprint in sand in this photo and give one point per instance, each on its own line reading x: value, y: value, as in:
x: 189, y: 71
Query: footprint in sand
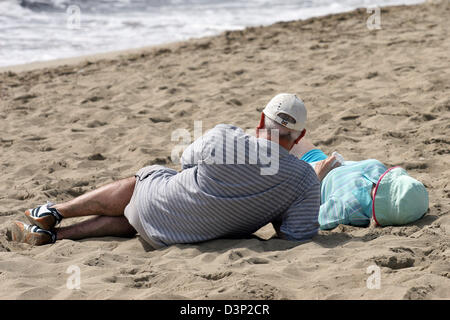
x: 350, y: 117
x: 46, y: 149
x: 441, y: 145
x: 96, y: 123
x: 96, y: 157
x: 415, y: 165
x: 394, y: 134
x: 35, y: 138
x: 257, y: 260
x: 416, y: 293
x: 216, y: 276
x: 92, y: 99
x: 160, y: 119
x: 161, y: 51
x: 234, y: 102
x: 6, y: 142
x: 396, y: 262
x: 159, y: 161
x: 422, y: 118
x: 441, y: 107
x: 182, y: 113
x: 25, y: 97
x: 142, y: 281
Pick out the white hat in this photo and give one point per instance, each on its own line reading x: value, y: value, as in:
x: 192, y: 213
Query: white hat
x: 288, y: 104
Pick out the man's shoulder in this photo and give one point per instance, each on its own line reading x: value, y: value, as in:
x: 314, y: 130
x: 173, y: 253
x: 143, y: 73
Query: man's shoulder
x: 224, y: 130
x: 226, y: 126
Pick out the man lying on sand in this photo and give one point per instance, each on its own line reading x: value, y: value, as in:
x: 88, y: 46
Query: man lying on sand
x: 207, y: 199
x: 359, y: 192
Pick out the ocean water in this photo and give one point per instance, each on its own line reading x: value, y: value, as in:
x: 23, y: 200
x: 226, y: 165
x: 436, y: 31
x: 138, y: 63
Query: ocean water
x: 38, y: 30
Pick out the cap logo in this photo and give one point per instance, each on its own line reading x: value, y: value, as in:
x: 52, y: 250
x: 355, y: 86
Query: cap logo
x: 286, y: 119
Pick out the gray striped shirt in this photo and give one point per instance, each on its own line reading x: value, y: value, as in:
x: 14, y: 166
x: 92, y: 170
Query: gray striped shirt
x: 231, y: 184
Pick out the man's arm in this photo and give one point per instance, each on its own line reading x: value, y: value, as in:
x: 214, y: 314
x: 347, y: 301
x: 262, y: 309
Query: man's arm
x: 300, y: 221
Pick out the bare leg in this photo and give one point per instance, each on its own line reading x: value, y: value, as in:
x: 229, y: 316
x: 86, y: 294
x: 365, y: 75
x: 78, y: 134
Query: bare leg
x: 109, y: 200
x: 101, y: 226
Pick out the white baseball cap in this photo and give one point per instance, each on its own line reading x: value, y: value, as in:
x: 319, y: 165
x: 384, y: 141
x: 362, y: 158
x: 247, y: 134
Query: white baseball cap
x: 289, y: 104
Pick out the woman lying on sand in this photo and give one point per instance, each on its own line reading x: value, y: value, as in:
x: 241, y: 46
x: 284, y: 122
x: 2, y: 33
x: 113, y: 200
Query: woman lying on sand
x: 360, y: 192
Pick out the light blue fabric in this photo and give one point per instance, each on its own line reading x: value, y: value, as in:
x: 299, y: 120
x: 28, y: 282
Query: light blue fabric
x: 314, y: 155
x: 399, y: 198
x: 345, y: 193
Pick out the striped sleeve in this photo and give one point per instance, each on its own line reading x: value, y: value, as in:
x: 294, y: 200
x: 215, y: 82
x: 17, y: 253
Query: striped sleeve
x: 300, y: 221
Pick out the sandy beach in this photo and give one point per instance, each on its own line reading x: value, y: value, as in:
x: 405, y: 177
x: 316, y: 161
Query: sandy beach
x: 70, y: 126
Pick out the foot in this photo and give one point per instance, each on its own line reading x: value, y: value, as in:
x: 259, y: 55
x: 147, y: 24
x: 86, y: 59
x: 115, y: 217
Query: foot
x: 45, y: 217
x: 25, y: 233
